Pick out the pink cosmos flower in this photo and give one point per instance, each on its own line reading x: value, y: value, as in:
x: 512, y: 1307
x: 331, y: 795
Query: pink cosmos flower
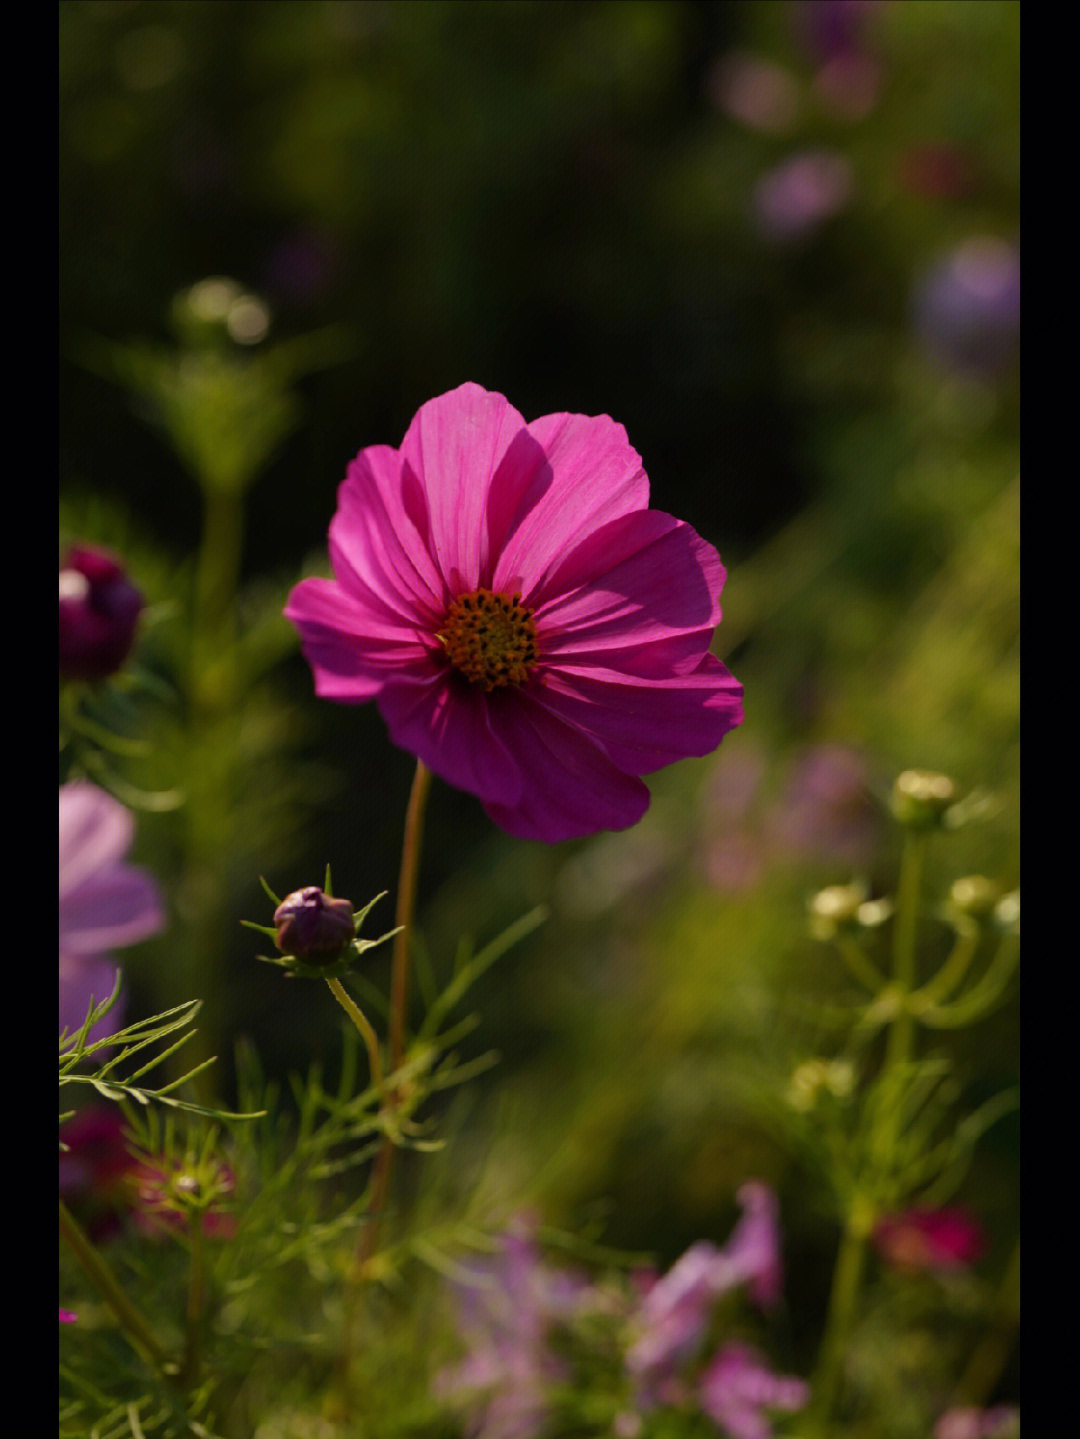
x: 528, y: 628
x: 1000, y: 1422
x: 675, y: 1314
x: 105, y: 903
x: 929, y: 1239
x: 737, y: 1387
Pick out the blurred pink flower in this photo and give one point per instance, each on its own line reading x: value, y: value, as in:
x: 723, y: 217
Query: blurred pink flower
x: 528, y: 628
x: 99, y: 612
x: 674, y: 1315
x: 508, y: 1314
x: 825, y: 807
x: 756, y: 91
x: 797, y: 196
x: 1000, y: 1422
x: 66, y: 1316
x: 823, y: 812
x: 737, y: 1387
x: 929, y: 1239
x: 94, y: 1169
x: 105, y: 903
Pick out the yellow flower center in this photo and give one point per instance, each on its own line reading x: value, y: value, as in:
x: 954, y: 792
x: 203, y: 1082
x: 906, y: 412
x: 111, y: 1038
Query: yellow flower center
x: 490, y: 638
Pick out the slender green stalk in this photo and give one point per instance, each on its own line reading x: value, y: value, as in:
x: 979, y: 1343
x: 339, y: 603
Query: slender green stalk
x: 899, y: 1049
x: 901, y: 1039
x: 399, y: 1000
x: 989, y: 1359
x: 843, y: 1301
x: 189, y: 1370
x: 406, y: 903
x: 135, y: 1325
x: 213, y: 689
x: 367, y: 1034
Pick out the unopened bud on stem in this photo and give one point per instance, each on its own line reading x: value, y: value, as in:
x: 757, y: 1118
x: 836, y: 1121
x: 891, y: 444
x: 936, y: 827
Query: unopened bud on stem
x: 312, y: 927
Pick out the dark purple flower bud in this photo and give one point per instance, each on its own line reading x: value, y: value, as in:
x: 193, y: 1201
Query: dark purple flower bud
x: 313, y: 927
x: 99, y: 610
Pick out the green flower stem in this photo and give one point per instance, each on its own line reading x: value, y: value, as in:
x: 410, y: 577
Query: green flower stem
x: 986, y: 1364
x: 217, y: 580
x: 843, y: 1301
x: 982, y: 996
x: 135, y: 1325
x: 901, y: 1039
x: 899, y: 1049
x: 367, y: 1034
x: 859, y: 964
x: 213, y: 692
x: 189, y: 1370
x: 399, y: 1000
x: 406, y: 903
x: 952, y: 972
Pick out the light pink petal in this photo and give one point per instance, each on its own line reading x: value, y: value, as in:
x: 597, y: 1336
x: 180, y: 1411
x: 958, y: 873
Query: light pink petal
x: 447, y: 723
x: 96, y: 832
x: 377, y: 541
x: 643, y: 725
x: 453, y: 447
x: 110, y: 910
x: 569, y: 786
x: 83, y: 977
x: 592, y: 475
x: 351, y: 647
x: 641, y: 578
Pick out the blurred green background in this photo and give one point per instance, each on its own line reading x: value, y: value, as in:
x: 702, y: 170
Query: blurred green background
x: 778, y: 241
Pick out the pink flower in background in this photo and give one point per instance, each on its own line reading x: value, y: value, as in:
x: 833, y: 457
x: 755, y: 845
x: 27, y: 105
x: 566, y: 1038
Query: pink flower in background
x: 1000, y: 1422
x: 66, y: 1316
x: 826, y: 807
x: 929, y: 1239
x: 94, y: 1169
x: 675, y: 1313
x: 737, y: 1387
x: 528, y: 628
x: 105, y: 903
x: 508, y: 1316
x: 797, y: 196
x: 99, y: 613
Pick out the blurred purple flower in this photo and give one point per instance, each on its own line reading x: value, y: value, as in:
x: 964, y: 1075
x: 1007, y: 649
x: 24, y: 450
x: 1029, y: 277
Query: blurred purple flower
x: 823, y: 812
x: 825, y: 29
x: 66, y: 1316
x: 105, y: 903
x: 507, y: 1314
x: 736, y: 1387
x: 826, y: 807
x: 99, y: 611
x: 929, y: 1239
x: 673, y: 1318
x: 797, y: 196
x: 966, y: 307
x: 1000, y: 1422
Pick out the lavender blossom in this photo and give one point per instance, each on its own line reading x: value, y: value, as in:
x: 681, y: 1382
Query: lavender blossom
x: 105, y: 903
